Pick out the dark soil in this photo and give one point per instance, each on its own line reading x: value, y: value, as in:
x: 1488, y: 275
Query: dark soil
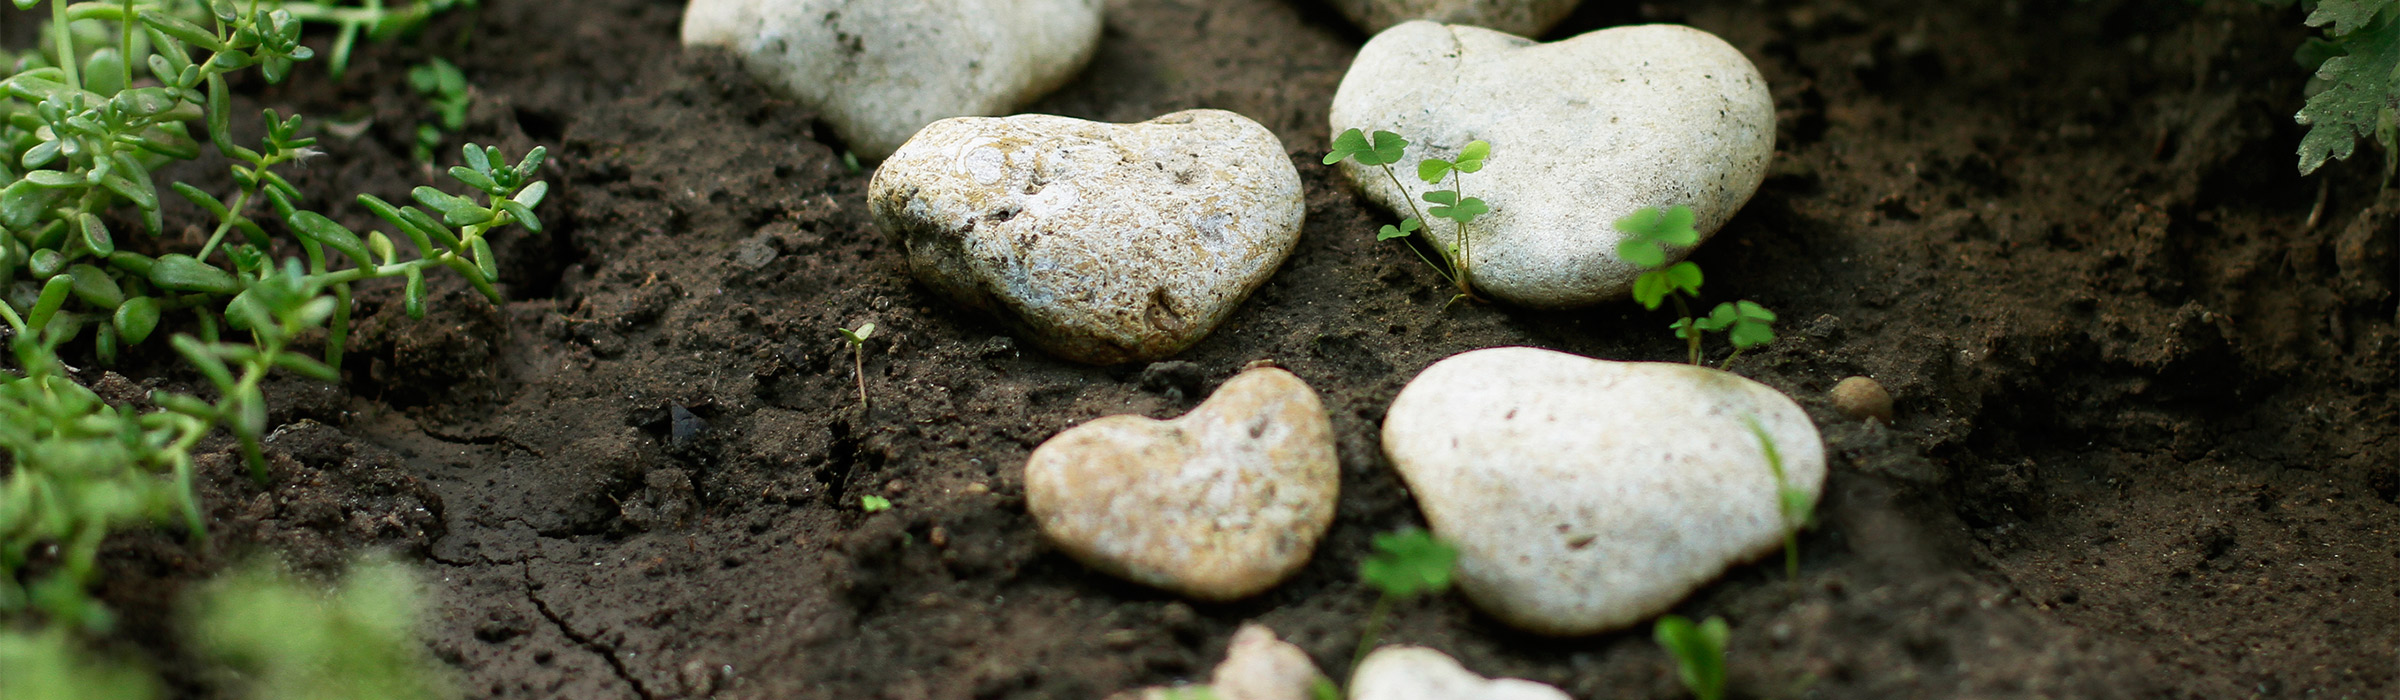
x: 2146, y: 445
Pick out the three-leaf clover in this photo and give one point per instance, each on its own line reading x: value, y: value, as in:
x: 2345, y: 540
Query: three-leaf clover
x: 1409, y: 563
x: 1384, y: 150
x: 1699, y: 652
x: 1747, y: 324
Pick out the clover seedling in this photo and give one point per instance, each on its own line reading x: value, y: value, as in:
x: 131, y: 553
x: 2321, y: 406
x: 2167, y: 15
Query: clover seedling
x: 1648, y: 235
x: 874, y: 504
x: 1406, y: 564
x: 1699, y: 652
x: 858, y: 357
x: 1387, y: 148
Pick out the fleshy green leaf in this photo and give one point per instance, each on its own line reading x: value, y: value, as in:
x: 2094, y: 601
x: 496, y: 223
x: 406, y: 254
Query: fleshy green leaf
x: 184, y: 273
x: 136, y: 318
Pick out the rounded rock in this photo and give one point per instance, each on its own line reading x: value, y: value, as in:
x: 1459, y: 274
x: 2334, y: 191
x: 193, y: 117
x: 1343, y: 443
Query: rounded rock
x: 1220, y: 504
x: 1583, y: 132
x: 1585, y: 495
x: 877, y: 71
x: 1861, y: 398
x: 1522, y: 17
x: 1418, y: 673
x: 1101, y: 243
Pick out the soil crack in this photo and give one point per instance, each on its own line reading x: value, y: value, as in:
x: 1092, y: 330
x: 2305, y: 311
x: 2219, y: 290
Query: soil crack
x: 590, y: 644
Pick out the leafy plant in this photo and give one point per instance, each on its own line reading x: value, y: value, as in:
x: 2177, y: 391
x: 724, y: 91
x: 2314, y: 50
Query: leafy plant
x: 50, y: 665
x: 1699, y: 652
x: 1453, y: 204
x: 1649, y: 235
x: 445, y: 88
x: 2355, y: 93
x: 1792, y: 502
x: 1406, y: 564
x: 858, y: 357
x: 874, y: 504
x: 295, y: 640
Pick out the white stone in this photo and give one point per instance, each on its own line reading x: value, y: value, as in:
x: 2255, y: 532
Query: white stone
x: 1220, y: 504
x: 878, y: 70
x: 1101, y: 243
x: 1523, y: 17
x: 1583, y: 132
x: 1258, y: 666
x: 1418, y: 673
x: 1585, y: 495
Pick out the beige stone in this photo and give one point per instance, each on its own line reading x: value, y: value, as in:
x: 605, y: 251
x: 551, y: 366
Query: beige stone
x: 1257, y: 666
x: 1522, y: 17
x: 1418, y: 673
x: 877, y: 70
x: 1583, y: 132
x: 1220, y: 504
x: 1100, y: 243
x: 1585, y: 495
x: 1862, y: 398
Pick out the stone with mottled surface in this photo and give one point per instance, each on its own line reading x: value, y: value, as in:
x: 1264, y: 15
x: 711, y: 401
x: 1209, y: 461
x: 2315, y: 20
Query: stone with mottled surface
x: 1585, y: 495
x: 1522, y: 17
x: 1583, y: 132
x: 878, y: 70
x: 1220, y: 504
x: 1418, y: 673
x: 1101, y: 243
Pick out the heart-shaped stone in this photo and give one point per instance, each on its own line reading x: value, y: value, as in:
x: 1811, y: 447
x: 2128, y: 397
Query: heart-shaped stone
x: 1584, y: 495
x: 1523, y: 17
x: 1101, y: 243
x: 1582, y: 131
x: 878, y: 70
x: 1418, y: 673
x: 1219, y: 504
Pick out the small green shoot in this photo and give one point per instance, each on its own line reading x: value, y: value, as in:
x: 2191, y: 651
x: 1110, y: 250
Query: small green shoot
x: 50, y: 665
x: 874, y: 504
x: 1453, y: 204
x: 445, y: 88
x: 1649, y: 234
x: 1406, y: 564
x: 1791, y: 501
x: 293, y: 639
x: 1699, y: 652
x: 858, y: 357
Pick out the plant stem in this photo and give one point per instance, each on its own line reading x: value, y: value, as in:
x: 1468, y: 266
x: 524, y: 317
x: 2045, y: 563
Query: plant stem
x: 1691, y: 330
x: 858, y: 367
x: 1366, y: 641
x: 1466, y: 262
x: 1727, y: 365
x: 125, y: 42
x: 66, y: 43
x: 1423, y: 224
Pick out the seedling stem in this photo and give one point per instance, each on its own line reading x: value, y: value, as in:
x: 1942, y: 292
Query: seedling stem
x: 858, y: 357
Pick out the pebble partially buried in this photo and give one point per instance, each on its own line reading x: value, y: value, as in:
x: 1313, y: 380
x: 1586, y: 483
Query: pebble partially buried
x: 1219, y: 504
x: 1101, y: 243
x: 1582, y: 131
x: 1584, y: 495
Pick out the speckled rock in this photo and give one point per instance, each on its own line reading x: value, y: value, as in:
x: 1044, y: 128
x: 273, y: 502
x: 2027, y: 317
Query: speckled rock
x: 1257, y: 666
x: 1219, y: 504
x: 1585, y: 495
x: 1583, y: 131
x: 1523, y: 17
x: 1418, y: 673
x: 879, y: 70
x: 1101, y: 243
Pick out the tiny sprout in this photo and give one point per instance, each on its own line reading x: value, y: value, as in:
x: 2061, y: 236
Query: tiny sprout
x: 874, y: 504
x: 858, y: 356
x: 1406, y: 564
x: 1648, y: 235
x: 1699, y: 652
x: 1387, y: 148
x: 1791, y: 501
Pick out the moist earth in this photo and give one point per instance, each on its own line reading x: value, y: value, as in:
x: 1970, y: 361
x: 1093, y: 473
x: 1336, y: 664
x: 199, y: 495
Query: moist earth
x: 2145, y: 444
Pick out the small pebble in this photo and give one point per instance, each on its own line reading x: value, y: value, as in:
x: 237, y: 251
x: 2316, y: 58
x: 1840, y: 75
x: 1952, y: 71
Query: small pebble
x: 1861, y: 398
x: 1418, y: 673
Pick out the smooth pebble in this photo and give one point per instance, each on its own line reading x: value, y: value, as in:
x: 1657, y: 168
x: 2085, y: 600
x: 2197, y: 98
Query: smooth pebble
x: 1419, y: 673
